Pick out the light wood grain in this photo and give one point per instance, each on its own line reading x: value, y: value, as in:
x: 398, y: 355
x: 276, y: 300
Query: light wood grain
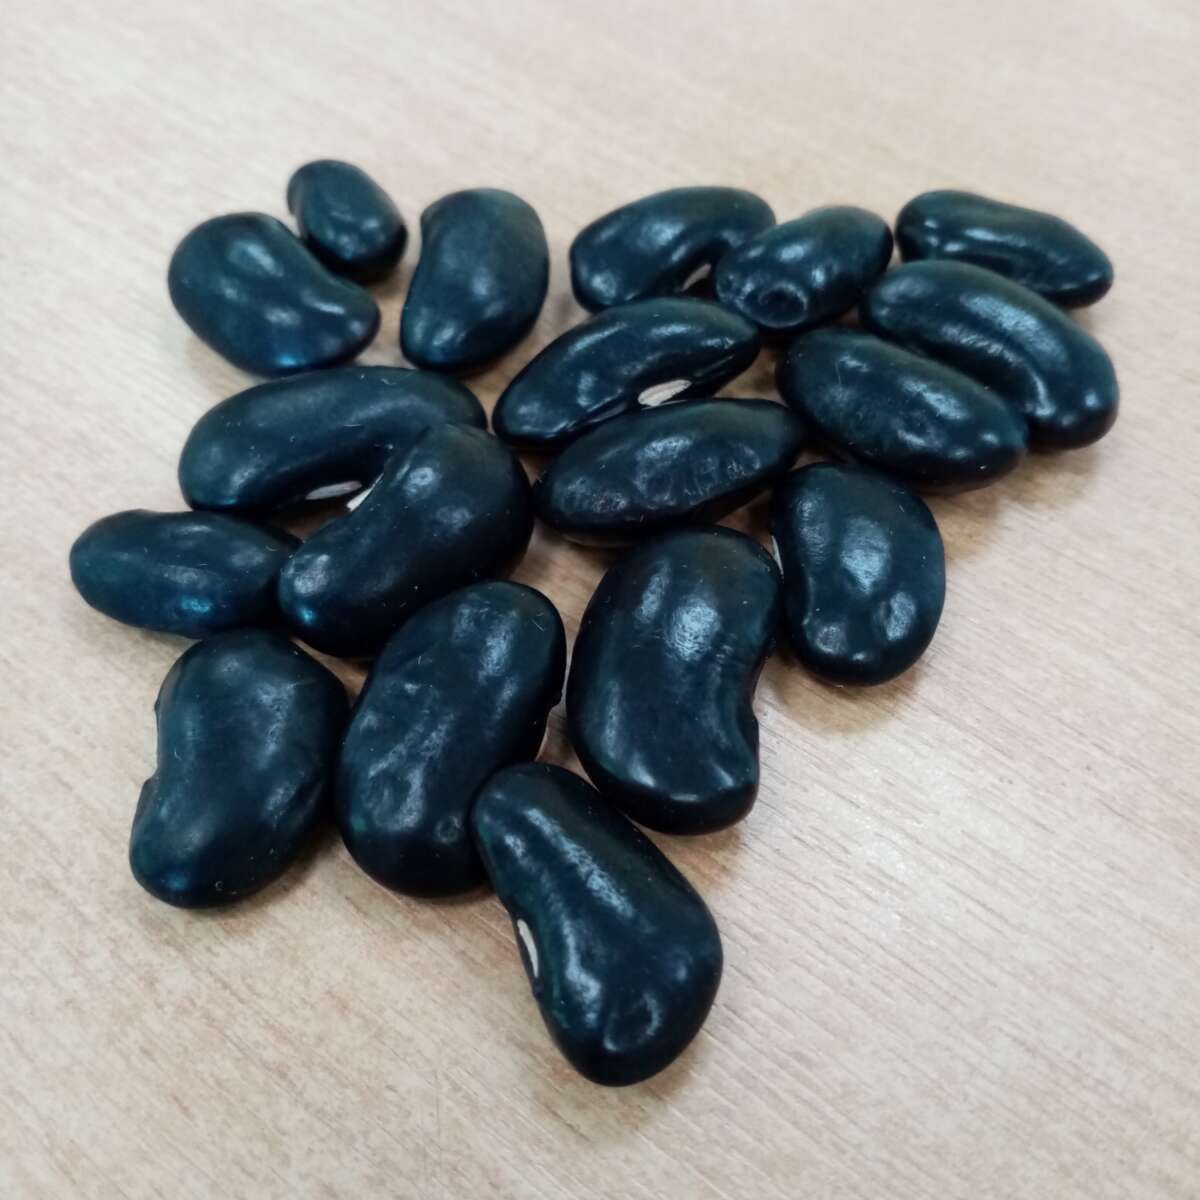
x: 962, y: 926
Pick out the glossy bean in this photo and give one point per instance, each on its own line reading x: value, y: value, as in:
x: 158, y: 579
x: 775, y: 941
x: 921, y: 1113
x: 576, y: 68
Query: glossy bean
x: 246, y: 286
x: 319, y: 435
x: 659, y: 697
x: 452, y: 507
x: 186, y: 573
x: 655, y: 245
x: 1039, y: 251
x: 480, y: 282
x: 463, y: 689
x: 247, y: 733
x: 1008, y: 338
x: 346, y: 219
x: 863, y: 569
x: 806, y: 272
x: 915, y: 419
x: 623, y: 956
x: 634, y: 476
x: 634, y: 356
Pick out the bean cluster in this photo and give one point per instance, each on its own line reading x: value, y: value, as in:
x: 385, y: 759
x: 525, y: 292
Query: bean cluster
x: 961, y: 360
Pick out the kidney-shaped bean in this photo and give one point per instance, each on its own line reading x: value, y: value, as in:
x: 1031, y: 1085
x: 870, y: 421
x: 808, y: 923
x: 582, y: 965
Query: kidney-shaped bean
x: 248, y: 726
x: 623, y: 956
x: 314, y: 436
x: 461, y: 690
x: 452, y: 507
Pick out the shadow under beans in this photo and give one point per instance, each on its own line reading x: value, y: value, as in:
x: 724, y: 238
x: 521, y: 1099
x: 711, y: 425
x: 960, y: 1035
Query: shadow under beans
x: 1057, y: 479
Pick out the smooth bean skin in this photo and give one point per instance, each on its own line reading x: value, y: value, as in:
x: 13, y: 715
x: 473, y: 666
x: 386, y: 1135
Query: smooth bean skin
x: 452, y: 507
x: 347, y: 220
x: 923, y: 423
x: 652, y: 246
x: 272, y: 445
x: 863, y: 569
x: 248, y: 727
x: 623, y: 956
x: 480, y: 282
x: 660, y: 692
x: 1006, y: 337
x: 1035, y: 249
x: 625, y: 358
x: 246, y: 286
x: 634, y: 476
x: 805, y: 272
x: 191, y: 574
x: 461, y: 690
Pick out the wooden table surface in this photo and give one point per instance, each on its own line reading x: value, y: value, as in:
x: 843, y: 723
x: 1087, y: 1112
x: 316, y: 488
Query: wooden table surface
x: 962, y: 926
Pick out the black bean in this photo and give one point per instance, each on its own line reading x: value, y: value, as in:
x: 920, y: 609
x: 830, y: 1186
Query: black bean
x: 450, y: 508
x: 636, y: 355
x: 346, y: 219
x: 919, y: 421
x: 318, y: 435
x: 806, y: 272
x: 247, y: 732
x: 623, y: 956
x: 659, y: 697
x: 463, y: 689
x: 634, y: 476
x: 480, y: 282
x: 246, y: 285
x: 1006, y: 337
x: 653, y: 246
x: 186, y: 573
x: 863, y: 569
x: 1039, y: 251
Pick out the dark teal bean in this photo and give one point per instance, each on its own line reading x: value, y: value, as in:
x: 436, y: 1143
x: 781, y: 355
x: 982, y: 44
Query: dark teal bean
x: 480, y: 282
x: 660, y: 694
x: 623, y: 956
x: 1032, y: 248
x: 451, y: 507
x: 863, y: 569
x: 246, y: 285
x: 186, y: 573
x: 346, y: 219
x: 635, y: 356
x: 915, y: 419
x: 693, y: 463
x: 248, y: 727
x: 313, y: 436
x: 1006, y: 337
x: 653, y: 246
x: 806, y: 272
x: 463, y: 689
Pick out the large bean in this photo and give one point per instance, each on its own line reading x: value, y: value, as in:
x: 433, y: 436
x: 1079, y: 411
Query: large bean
x: 924, y: 423
x: 659, y: 698
x: 634, y: 356
x: 452, y: 507
x: 637, y: 475
x: 463, y: 689
x: 246, y: 285
x: 806, y: 272
x: 863, y: 570
x: 186, y: 573
x: 623, y: 956
x: 317, y: 435
x: 1008, y: 338
x: 480, y: 282
x: 346, y: 219
x: 653, y: 246
x: 247, y: 733
x: 1039, y: 251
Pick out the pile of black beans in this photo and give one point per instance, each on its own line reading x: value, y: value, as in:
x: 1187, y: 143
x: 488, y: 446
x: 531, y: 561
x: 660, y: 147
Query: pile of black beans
x: 961, y: 360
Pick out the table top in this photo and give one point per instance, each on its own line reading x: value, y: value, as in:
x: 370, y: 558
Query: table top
x: 962, y: 926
